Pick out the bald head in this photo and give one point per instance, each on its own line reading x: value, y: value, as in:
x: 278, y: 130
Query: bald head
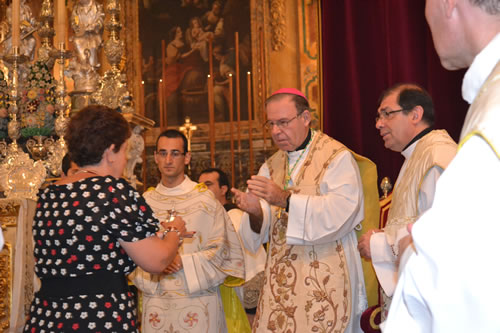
x: 461, y: 29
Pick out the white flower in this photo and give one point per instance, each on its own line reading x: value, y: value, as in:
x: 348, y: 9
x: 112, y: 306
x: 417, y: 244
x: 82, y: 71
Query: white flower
x: 100, y: 314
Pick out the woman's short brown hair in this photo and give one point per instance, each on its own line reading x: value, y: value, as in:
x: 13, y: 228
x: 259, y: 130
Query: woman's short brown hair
x: 92, y: 130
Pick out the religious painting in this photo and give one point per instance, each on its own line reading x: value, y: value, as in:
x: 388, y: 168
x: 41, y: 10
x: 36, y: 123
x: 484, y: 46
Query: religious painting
x: 183, y: 42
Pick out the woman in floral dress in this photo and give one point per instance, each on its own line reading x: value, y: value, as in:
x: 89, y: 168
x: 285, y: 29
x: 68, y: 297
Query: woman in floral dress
x: 90, y: 230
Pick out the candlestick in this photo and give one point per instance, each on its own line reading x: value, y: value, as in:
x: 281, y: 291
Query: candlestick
x: 263, y: 86
x: 211, y: 119
x: 250, y: 124
x: 231, y: 126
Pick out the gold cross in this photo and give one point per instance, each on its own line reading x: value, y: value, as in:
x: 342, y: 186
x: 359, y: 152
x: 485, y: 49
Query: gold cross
x: 188, y: 128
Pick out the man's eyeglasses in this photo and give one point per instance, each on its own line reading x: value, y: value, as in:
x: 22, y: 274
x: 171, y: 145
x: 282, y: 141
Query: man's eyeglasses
x: 383, y: 114
x: 174, y: 153
x: 283, y: 123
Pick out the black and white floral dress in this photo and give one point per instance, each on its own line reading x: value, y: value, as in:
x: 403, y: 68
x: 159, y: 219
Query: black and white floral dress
x: 76, y: 230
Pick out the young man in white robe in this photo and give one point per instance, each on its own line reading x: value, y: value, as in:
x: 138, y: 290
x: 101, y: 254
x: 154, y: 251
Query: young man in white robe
x: 187, y: 297
x: 450, y: 281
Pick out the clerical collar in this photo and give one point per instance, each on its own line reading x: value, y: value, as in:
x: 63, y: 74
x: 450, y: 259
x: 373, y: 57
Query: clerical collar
x: 228, y: 206
x: 418, y: 136
x: 306, y: 141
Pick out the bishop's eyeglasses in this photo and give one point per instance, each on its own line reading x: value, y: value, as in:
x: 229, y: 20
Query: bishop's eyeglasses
x: 281, y: 124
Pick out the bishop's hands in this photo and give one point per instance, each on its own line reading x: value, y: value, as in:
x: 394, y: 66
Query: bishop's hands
x: 259, y: 187
x: 268, y: 190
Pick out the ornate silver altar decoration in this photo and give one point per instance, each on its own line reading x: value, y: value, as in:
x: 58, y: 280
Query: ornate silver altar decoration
x: 87, y: 21
x: 20, y: 177
x: 46, y: 32
x: 113, y: 91
x: 28, y: 42
x: 28, y: 26
x: 134, y: 154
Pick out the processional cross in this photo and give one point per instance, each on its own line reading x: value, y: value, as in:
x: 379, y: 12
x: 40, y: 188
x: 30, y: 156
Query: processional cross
x: 188, y: 128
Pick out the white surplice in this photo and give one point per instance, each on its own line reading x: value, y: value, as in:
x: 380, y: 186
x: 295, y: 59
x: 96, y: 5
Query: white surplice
x: 189, y: 300
x: 383, y: 248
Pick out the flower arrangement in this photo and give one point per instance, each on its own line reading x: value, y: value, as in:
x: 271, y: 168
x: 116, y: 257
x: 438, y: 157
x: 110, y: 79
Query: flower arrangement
x: 37, y: 104
x: 4, y: 106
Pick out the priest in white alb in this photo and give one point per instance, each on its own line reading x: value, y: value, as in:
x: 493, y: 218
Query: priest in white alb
x: 186, y: 298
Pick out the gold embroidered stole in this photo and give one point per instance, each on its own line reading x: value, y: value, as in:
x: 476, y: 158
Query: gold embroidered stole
x: 306, y: 288
x: 483, y: 115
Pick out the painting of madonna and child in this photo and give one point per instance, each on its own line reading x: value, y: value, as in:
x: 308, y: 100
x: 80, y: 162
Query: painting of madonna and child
x: 187, y: 27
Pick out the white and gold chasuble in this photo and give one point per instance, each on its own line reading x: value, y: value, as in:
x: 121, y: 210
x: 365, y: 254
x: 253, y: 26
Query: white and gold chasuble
x: 436, y: 148
x: 306, y: 288
x: 189, y: 300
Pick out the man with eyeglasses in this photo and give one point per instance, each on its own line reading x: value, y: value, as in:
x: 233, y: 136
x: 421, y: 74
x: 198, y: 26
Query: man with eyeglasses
x: 187, y: 296
x: 405, y: 118
x: 450, y: 283
x: 306, y: 202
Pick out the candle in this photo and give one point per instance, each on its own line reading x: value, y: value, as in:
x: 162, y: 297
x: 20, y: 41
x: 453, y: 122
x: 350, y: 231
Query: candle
x: 61, y: 23
x: 263, y: 85
x: 160, y: 104
x: 250, y: 125
x: 211, y: 119
x: 238, y: 106
x: 16, y: 19
x: 163, y: 105
x: 231, y: 126
x: 210, y: 59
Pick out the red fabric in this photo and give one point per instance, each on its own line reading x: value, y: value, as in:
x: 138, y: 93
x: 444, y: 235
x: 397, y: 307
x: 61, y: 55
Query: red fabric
x: 368, y: 46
